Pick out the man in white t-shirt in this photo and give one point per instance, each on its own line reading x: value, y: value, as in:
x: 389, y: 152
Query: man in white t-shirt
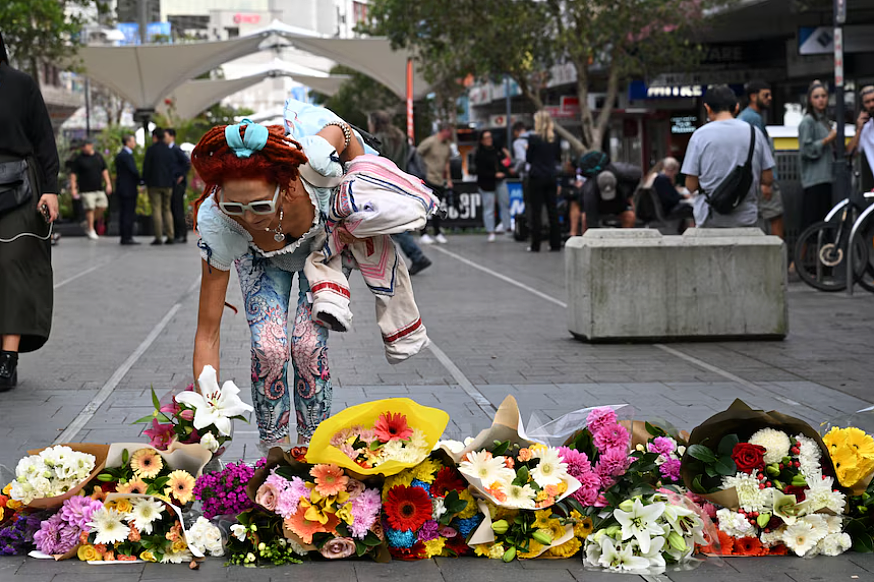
x: 863, y: 141
x: 715, y: 150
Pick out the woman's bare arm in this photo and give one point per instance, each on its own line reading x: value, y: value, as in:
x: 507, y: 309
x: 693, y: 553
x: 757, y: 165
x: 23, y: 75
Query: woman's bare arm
x: 213, y: 292
x: 334, y: 135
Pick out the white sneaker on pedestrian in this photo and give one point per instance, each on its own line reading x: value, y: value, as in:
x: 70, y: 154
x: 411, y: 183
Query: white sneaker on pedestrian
x: 491, y: 237
x: 91, y: 234
x: 426, y: 239
x: 441, y: 239
x: 500, y: 227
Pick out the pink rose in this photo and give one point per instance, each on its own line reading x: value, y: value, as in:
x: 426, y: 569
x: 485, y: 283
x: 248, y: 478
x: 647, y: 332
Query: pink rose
x: 267, y: 496
x: 338, y: 548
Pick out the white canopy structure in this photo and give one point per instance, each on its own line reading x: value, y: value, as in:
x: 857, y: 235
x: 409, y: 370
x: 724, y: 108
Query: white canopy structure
x: 145, y: 74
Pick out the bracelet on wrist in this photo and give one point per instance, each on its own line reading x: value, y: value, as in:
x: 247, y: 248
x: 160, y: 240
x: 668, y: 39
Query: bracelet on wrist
x: 347, y: 132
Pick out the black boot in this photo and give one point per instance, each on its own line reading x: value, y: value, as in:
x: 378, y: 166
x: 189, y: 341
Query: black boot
x: 8, y: 370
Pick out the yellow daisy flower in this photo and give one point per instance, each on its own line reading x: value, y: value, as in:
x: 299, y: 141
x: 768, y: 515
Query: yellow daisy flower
x: 471, y: 509
x: 434, y: 547
x: 583, y: 528
x: 542, y: 519
x: 146, y: 463
x: 567, y: 549
x: 180, y: 486
x: 426, y: 471
x: 482, y: 550
x: 535, y: 548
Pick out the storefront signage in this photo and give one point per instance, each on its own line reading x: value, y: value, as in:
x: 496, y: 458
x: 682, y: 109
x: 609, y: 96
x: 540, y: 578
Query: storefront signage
x: 684, y: 125
x: 241, y: 18
x: 820, y: 40
x: 638, y: 90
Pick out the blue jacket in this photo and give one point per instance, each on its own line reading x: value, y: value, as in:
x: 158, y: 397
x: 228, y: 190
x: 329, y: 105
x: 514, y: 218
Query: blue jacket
x: 127, y: 176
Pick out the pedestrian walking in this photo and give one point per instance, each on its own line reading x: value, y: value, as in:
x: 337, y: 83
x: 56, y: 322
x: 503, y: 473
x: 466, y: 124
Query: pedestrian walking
x: 770, y: 206
x: 158, y: 173
x: 715, y: 150
x: 492, y: 165
x: 396, y: 148
x: 91, y: 183
x: 28, y: 201
x: 816, y: 137
x: 127, y: 183
x: 178, y: 205
x: 863, y: 141
x: 542, y: 157
x: 436, y: 152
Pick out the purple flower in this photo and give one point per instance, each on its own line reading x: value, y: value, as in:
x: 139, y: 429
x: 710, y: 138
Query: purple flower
x: 662, y: 446
x: 577, y: 461
x: 290, y: 497
x: 613, y: 463
x: 77, y: 511
x: 430, y: 531
x: 590, y: 488
x: 365, y: 511
x: 224, y: 492
x: 670, y: 469
x: 599, y: 418
x: 56, y: 536
x: 612, y: 436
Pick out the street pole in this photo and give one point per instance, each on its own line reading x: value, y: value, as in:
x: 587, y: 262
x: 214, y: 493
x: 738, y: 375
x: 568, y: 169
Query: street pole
x: 144, y: 19
x: 411, y: 133
x: 509, y: 110
x: 841, y: 190
x: 87, y: 108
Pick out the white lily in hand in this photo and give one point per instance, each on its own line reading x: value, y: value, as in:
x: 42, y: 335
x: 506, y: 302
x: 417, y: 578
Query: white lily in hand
x: 618, y: 558
x: 216, y: 406
x: 640, y: 522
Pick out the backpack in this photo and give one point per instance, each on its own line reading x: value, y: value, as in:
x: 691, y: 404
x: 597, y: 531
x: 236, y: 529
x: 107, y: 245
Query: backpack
x: 644, y: 204
x: 726, y: 197
x: 415, y: 164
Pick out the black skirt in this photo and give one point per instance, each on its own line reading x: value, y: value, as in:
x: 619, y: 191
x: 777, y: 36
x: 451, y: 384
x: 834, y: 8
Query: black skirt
x: 26, y: 280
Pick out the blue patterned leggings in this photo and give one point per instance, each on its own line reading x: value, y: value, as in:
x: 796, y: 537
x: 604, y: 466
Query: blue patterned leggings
x: 266, y: 291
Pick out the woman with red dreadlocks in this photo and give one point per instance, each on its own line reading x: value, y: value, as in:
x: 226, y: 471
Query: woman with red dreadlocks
x: 258, y: 214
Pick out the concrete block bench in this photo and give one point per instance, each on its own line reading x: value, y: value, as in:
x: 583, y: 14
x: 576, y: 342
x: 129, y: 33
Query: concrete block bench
x: 709, y: 284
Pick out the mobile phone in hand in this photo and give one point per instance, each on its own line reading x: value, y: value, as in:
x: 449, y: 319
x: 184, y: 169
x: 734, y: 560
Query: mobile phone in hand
x: 44, y: 210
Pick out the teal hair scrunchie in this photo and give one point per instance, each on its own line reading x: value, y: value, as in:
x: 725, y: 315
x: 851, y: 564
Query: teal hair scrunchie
x: 253, y: 140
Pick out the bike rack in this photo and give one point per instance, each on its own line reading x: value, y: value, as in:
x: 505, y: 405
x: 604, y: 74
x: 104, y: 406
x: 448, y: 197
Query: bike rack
x: 856, y: 226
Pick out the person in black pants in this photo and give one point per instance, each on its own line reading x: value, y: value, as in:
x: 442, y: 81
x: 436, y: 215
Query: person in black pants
x: 126, y: 183
x: 180, y: 174
x: 543, y: 155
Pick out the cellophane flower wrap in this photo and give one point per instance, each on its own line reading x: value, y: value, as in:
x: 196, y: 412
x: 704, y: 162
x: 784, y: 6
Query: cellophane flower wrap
x: 189, y: 417
x: 383, y: 437
x: 323, y: 508
x: 427, y: 511
x: 774, y: 480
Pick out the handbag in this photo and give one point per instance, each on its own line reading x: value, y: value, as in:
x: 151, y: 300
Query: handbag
x: 735, y: 187
x: 16, y: 187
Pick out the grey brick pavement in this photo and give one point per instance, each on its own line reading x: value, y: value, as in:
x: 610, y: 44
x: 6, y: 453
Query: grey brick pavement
x: 503, y: 339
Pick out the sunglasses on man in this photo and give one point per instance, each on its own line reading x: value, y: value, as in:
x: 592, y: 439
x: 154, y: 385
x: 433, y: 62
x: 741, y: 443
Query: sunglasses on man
x: 260, y: 207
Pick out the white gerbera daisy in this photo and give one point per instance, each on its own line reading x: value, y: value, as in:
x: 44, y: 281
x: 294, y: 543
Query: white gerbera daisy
x: 750, y: 497
x: 109, y: 527
x: 145, y: 512
x: 488, y: 469
x: 800, y: 537
x: 177, y: 557
x: 550, y: 469
x: 520, y: 497
x: 776, y: 443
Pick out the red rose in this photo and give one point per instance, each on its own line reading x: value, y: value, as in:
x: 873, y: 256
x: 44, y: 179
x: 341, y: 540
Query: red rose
x: 748, y: 457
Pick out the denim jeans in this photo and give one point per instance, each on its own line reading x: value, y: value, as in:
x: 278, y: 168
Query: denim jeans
x: 409, y: 246
x: 502, y: 193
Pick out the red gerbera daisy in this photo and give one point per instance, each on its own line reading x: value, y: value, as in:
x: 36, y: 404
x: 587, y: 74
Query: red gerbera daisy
x: 417, y: 552
x: 749, y: 547
x: 778, y: 550
x: 458, y: 545
x: 392, y: 427
x: 447, y: 479
x: 407, y: 508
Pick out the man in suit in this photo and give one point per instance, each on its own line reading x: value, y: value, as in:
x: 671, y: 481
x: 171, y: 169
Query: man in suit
x: 158, y: 168
x: 126, y: 183
x: 180, y: 175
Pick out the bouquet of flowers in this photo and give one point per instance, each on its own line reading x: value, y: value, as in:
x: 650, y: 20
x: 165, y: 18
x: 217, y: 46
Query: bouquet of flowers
x: 645, y: 534
x: 147, y: 472
x: 852, y: 451
x: 322, y: 507
x: 8, y: 506
x: 16, y: 534
x: 60, y: 534
x: 258, y: 539
x: 531, y: 534
x: 427, y: 511
x: 203, y: 417
x: 45, y: 478
x: 204, y: 537
x: 224, y: 492
x: 382, y: 437
x: 136, y: 527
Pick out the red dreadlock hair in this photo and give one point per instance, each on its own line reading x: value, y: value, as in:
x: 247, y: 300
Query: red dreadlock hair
x: 277, y: 162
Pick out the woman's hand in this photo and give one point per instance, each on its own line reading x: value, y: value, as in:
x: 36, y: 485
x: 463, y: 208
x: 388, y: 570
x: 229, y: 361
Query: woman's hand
x: 50, y: 201
x: 347, y: 237
x: 832, y: 136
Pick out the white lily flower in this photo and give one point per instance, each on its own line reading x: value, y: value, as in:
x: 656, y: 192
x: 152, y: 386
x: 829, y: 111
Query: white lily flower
x: 618, y: 558
x: 215, y: 405
x: 640, y: 522
x: 685, y: 522
x: 654, y: 555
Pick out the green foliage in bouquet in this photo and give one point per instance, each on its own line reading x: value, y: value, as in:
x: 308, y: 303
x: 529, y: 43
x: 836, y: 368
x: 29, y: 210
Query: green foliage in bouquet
x: 259, y: 540
x: 711, y: 466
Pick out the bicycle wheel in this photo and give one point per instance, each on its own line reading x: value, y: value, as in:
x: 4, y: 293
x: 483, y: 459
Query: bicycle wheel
x: 821, y: 256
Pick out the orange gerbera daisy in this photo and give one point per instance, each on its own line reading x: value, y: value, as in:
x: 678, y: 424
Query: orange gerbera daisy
x: 726, y: 545
x: 305, y: 529
x: 181, y: 486
x: 391, y: 427
x: 137, y: 486
x: 329, y: 479
x: 778, y: 550
x: 749, y: 547
x: 146, y: 463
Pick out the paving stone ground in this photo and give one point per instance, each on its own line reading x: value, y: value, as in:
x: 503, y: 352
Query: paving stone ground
x: 500, y: 338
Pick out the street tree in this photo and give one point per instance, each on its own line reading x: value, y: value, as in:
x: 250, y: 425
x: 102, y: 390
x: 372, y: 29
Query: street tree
x: 607, y: 42
x: 37, y: 31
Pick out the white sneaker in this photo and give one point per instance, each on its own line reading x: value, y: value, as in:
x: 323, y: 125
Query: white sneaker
x: 441, y: 239
x: 426, y: 239
x: 491, y: 237
x: 500, y: 227
x: 91, y: 234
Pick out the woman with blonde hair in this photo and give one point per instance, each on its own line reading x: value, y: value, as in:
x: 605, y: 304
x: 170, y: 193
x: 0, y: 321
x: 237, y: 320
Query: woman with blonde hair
x: 543, y: 155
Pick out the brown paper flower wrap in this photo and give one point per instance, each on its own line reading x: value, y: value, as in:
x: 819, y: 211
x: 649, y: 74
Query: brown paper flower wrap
x: 99, y: 451
x: 743, y: 421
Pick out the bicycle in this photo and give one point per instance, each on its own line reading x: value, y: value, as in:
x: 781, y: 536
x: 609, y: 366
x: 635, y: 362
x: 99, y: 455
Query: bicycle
x: 821, y: 256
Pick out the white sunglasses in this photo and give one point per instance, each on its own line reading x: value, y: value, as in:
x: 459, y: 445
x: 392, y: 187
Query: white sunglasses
x: 261, y: 207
